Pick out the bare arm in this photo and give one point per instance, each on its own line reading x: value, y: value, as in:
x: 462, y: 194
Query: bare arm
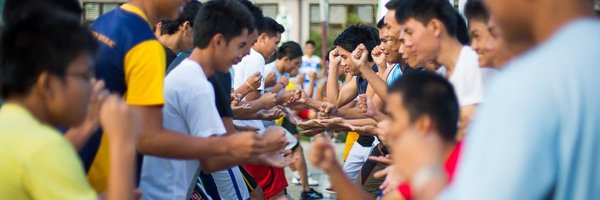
x: 322, y: 156
x: 78, y: 136
x: 158, y: 141
x: 333, y: 88
x: 375, y: 81
x: 348, y: 92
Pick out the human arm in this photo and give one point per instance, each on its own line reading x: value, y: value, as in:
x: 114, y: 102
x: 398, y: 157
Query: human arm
x: 322, y: 155
x: 122, y: 126
x: 312, y: 77
x: 333, y: 87
x: 281, y: 84
x: 79, y: 135
x: 348, y: 92
x: 359, y: 57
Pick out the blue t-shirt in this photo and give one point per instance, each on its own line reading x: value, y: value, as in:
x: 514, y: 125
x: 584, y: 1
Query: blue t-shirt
x: 537, y: 136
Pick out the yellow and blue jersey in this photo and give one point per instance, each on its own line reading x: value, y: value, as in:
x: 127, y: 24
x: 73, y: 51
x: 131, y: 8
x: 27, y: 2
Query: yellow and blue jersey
x: 132, y: 63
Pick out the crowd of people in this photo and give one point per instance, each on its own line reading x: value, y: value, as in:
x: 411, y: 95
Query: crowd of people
x: 178, y: 99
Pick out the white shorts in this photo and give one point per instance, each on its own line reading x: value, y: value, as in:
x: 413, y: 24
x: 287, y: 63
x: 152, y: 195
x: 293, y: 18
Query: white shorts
x: 357, y: 156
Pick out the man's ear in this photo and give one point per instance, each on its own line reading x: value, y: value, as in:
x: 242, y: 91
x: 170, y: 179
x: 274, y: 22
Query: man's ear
x: 436, y: 26
x: 218, y: 41
x: 43, y: 85
x: 186, y: 27
x: 424, y: 124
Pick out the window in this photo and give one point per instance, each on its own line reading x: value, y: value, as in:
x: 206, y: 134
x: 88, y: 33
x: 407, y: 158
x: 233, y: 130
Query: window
x: 269, y: 10
x: 93, y: 10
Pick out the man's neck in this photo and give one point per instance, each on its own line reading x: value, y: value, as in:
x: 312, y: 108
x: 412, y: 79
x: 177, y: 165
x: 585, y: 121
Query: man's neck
x: 148, y: 9
x: 173, y: 42
x: 204, y: 58
x: 448, y: 53
x: 561, y: 13
x: 33, y: 105
x: 259, y: 50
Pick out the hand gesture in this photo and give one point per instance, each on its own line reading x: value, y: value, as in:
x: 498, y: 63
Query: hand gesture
x: 245, y: 145
x: 275, y: 138
x: 334, y: 58
x: 97, y: 97
x: 284, y: 81
x: 271, y: 114
x: 269, y: 100
x: 270, y: 78
x: 379, y: 57
x: 392, y: 180
x: 360, y: 57
x: 328, y: 109
x: 322, y: 154
x: 277, y: 158
x: 122, y: 124
x: 254, y: 81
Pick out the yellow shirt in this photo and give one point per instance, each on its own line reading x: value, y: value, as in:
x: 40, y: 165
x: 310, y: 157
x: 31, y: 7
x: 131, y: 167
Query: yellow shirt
x: 36, y: 161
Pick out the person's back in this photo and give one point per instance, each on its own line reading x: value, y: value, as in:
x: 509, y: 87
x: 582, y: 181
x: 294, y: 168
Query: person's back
x: 33, y: 153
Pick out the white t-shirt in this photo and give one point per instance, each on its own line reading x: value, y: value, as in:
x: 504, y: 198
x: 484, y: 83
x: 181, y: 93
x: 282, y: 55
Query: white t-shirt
x: 466, y: 78
x: 189, y: 108
x: 252, y: 63
x: 271, y: 67
x: 309, y: 65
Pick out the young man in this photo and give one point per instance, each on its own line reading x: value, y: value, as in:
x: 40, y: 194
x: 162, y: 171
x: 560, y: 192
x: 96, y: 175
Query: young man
x: 177, y: 34
x: 424, y: 113
x: 190, y: 108
x: 132, y: 63
x: 272, y: 180
x: 288, y: 61
x: 51, y: 91
x: 311, y: 63
x: 17, y: 9
x: 483, y: 41
x: 553, y: 143
x: 429, y: 34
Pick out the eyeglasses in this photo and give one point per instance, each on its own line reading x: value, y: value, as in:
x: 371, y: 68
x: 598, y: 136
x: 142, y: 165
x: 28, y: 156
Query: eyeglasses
x: 87, y: 76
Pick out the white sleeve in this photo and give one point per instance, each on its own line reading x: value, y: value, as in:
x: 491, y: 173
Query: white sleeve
x: 473, y: 87
x: 200, y: 114
x: 250, y: 65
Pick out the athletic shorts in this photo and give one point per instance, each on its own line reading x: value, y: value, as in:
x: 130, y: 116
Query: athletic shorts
x: 271, y: 179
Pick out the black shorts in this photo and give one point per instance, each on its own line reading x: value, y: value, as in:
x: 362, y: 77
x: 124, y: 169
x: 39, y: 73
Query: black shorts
x: 249, y: 180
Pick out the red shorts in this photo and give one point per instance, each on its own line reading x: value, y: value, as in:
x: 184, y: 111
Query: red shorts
x: 271, y: 179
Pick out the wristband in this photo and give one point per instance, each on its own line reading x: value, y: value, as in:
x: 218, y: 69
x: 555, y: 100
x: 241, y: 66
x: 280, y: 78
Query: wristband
x: 424, y: 175
x: 250, y: 86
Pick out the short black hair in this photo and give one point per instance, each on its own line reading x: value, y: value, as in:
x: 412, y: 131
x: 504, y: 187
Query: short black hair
x: 311, y: 43
x: 358, y: 34
x: 15, y: 10
x: 462, y: 31
x: 257, y: 14
x: 392, y: 4
x: 271, y: 27
x: 476, y: 10
x: 216, y: 17
x: 426, y: 93
x: 189, y: 13
x: 43, y: 41
x: 426, y: 10
x: 290, y: 49
x: 380, y: 23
